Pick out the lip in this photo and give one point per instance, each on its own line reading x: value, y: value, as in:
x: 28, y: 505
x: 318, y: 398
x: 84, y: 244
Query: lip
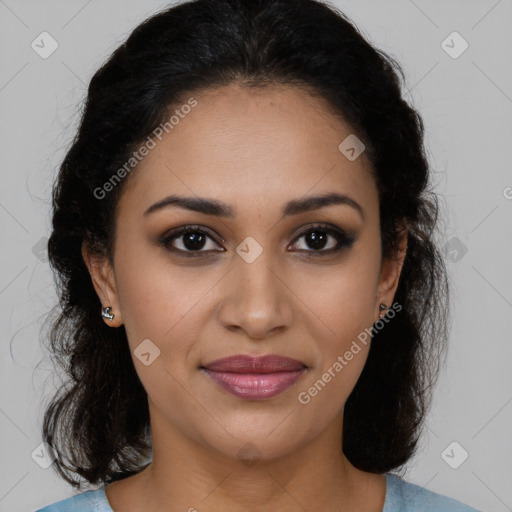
x: 255, y: 378
x: 254, y: 364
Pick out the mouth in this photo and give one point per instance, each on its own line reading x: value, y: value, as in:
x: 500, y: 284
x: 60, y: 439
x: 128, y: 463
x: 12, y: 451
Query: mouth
x: 255, y: 378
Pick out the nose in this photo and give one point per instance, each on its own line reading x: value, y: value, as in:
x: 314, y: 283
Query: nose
x: 255, y: 300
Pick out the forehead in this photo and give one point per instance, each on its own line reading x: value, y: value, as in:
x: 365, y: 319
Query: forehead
x: 250, y: 146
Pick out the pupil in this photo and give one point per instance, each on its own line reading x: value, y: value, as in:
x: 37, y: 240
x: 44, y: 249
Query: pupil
x: 193, y: 241
x: 316, y: 239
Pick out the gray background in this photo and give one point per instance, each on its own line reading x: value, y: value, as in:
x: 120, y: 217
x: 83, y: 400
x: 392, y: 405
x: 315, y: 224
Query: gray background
x: 466, y: 104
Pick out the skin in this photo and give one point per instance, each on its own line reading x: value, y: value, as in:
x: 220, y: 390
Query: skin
x: 254, y: 149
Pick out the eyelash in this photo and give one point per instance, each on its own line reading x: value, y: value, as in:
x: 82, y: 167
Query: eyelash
x: 343, y: 239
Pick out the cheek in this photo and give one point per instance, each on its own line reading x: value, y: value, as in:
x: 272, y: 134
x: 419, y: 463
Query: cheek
x: 341, y: 314
x: 323, y: 395
x: 161, y: 323
x: 155, y: 296
x: 167, y: 305
x: 342, y: 300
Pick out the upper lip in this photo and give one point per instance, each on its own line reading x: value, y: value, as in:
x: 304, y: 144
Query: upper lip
x: 254, y: 364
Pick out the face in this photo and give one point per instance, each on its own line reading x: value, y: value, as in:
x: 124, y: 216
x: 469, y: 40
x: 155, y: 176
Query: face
x: 267, y: 277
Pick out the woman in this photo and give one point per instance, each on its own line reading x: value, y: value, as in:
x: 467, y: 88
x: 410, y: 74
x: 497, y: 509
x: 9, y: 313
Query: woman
x: 254, y: 308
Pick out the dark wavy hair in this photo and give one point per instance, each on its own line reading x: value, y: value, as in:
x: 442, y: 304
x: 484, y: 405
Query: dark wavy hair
x: 98, y: 420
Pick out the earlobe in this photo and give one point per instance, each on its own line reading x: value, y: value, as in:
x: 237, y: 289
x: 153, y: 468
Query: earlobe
x: 102, y: 276
x: 391, y: 271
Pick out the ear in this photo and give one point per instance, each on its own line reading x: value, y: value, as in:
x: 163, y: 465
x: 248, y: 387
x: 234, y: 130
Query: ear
x: 391, y: 269
x: 102, y: 275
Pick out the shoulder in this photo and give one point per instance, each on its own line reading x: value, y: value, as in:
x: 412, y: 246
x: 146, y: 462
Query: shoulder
x: 88, y: 501
x: 407, y: 497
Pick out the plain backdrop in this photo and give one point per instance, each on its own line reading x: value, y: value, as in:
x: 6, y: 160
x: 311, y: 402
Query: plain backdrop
x: 465, y: 100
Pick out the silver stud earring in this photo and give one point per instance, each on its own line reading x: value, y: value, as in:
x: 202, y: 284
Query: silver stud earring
x: 106, y: 313
x: 383, y: 308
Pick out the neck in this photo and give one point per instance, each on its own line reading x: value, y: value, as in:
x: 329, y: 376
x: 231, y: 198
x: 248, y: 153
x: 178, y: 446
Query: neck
x: 187, y: 475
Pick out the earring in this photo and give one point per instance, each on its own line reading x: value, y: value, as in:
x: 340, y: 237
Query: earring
x: 106, y: 313
x: 383, y: 308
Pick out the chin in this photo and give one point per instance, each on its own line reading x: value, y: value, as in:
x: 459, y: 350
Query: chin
x: 264, y: 441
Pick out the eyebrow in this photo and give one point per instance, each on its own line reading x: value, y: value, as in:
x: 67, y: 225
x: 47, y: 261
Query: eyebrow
x: 221, y: 209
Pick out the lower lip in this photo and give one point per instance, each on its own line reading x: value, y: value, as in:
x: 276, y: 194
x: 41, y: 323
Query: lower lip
x: 255, y: 386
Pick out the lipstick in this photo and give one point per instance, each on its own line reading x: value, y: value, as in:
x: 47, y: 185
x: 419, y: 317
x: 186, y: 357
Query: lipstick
x: 255, y: 378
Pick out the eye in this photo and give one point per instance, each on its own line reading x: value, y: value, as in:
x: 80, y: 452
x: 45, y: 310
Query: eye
x: 195, y: 241
x: 190, y: 239
x: 322, y: 238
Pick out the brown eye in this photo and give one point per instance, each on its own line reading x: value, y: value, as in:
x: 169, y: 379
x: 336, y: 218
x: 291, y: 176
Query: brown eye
x: 190, y: 239
x: 321, y: 238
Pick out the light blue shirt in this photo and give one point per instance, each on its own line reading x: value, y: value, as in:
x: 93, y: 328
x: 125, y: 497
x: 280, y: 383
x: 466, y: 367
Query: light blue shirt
x: 401, y: 496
